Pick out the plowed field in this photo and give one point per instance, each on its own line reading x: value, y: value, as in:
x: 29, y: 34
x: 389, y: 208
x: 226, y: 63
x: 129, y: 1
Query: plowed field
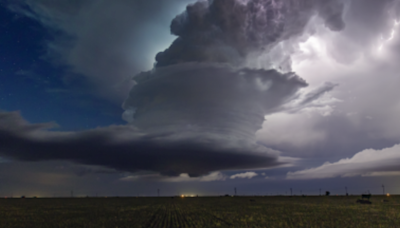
x: 200, y: 212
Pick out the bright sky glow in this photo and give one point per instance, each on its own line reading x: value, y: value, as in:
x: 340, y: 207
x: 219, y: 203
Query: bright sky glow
x: 311, y: 51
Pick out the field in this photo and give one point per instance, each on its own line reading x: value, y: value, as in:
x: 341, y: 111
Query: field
x: 207, y: 212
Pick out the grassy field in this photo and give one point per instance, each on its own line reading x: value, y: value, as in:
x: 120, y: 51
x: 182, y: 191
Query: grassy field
x: 200, y: 212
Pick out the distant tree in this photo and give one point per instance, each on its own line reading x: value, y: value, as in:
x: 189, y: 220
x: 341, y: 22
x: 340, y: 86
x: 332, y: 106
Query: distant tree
x: 327, y: 193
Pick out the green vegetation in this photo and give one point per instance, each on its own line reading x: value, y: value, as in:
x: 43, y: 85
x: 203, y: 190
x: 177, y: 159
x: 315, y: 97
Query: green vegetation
x: 207, y: 212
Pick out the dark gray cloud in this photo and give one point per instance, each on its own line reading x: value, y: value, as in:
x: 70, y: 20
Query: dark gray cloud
x: 193, y: 118
x: 227, y: 31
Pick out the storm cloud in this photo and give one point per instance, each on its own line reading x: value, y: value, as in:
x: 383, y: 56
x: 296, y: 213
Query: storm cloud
x: 200, y: 107
x: 195, y: 112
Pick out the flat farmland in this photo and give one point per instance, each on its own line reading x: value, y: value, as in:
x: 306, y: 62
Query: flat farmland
x: 163, y: 212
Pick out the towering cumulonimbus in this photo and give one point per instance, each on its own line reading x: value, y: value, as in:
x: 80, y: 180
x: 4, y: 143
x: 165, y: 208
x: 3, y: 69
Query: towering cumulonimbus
x: 226, y: 31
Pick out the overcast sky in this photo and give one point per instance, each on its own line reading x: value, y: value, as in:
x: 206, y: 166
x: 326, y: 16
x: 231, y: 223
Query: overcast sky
x: 124, y: 97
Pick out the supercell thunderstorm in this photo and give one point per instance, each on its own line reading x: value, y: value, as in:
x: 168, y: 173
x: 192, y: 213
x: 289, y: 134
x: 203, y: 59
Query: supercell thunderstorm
x: 198, y: 110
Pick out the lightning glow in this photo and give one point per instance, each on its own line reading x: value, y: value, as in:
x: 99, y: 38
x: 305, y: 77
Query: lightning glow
x: 312, y: 46
x: 391, y: 37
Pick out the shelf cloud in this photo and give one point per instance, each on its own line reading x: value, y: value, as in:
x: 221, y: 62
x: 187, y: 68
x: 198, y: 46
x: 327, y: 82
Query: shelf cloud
x: 183, y: 122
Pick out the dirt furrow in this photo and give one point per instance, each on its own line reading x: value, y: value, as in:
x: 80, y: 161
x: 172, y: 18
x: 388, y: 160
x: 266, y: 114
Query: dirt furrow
x: 185, y: 218
x: 153, y: 219
x: 214, y: 217
x: 181, y: 221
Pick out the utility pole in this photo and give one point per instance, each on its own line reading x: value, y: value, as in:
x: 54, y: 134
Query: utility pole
x: 235, y: 191
x: 383, y: 187
x: 291, y: 193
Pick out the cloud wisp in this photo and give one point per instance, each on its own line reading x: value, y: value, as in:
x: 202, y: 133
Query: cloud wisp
x: 369, y: 162
x: 247, y: 175
x: 183, y: 177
